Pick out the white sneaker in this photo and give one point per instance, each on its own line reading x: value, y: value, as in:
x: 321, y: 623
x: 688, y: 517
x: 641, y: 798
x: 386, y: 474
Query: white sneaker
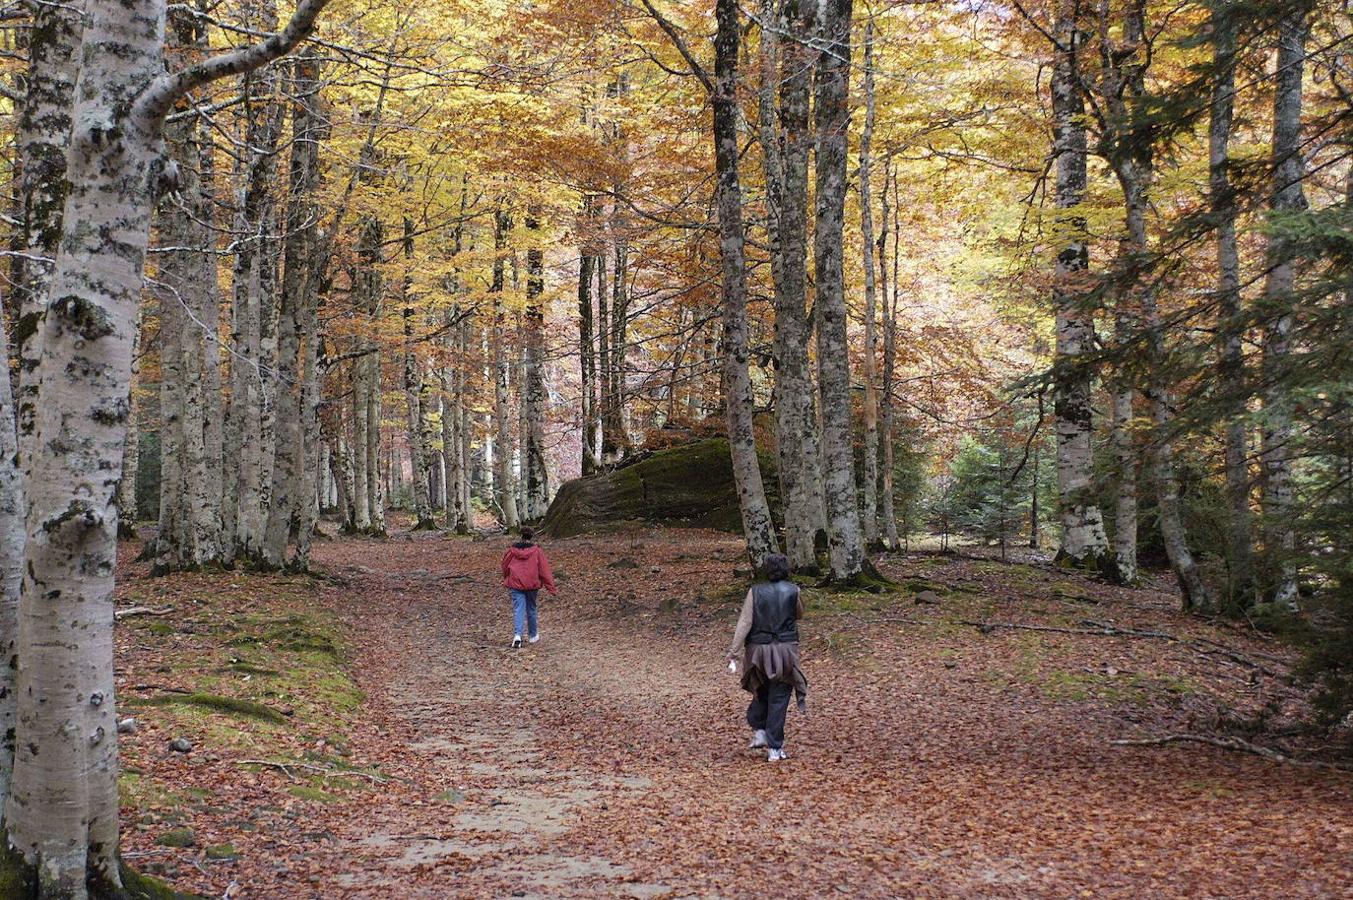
x: 758, y: 739
x: 535, y: 638
x: 516, y: 642
x: 776, y: 755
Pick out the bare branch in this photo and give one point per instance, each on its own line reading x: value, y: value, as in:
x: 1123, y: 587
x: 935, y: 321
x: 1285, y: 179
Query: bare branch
x: 156, y: 102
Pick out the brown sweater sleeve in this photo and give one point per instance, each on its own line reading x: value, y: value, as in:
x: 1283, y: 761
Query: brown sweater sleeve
x: 744, y: 626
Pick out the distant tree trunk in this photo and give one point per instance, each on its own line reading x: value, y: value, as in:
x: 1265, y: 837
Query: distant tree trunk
x: 615, y: 442
x: 535, y: 397
x: 190, y: 492
x: 126, y: 485
x: 888, y: 435
x: 414, y: 397
x: 250, y: 436
x: 1084, y: 543
x: 504, y: 484
x: 62, y: 815
x: 1230, y: 315
x: 756, y: 519
x: 603, y: 354
x: 1287, y: 198
x: 1132, y: 158
x: 796, y: 418
x: 833, y: 121
x: 586, y: 341
x: 369, y: 288
x: 869, y: 507
x: 304, y: 265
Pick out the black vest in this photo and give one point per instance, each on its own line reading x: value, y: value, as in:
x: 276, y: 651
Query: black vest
x: 775, y: 609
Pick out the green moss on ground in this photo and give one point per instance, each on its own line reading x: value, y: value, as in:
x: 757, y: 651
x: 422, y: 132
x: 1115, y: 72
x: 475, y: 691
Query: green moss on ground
x: 313, y: 794
x: 222, y: 704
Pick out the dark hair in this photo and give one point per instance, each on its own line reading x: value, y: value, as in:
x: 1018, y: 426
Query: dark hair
x: 527, y: 533
x: 776, y: 567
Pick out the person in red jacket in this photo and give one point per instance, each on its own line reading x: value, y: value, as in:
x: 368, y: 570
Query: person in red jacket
x: 525, y: 572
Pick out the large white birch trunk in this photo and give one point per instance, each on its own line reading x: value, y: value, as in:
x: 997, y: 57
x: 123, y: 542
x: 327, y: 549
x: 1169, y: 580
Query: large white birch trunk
x: 11, y: 574
x: 41, y: 141
x: 62, y: 814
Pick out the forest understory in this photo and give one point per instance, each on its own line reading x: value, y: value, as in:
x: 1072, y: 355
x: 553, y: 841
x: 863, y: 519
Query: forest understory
x: 367, y: 732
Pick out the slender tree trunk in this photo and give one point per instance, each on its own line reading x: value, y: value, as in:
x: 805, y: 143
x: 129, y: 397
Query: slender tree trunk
x: 603, y: 355
x: 796, y: 419
x: 301, y: 274
x: 1230, y: 314
x: 1084, y: 542
x: 756, y: 519
x: 833, y: 122
x: 1288, y: 198
x: 504, y: 484
x: 1132, y: 157
x: 126, y: 486
x: 250, y: 437
x: 888, y: 435
x: 414, y: 398
x: 869, y: 507
x: 586, y: 341
x: 535, y: 396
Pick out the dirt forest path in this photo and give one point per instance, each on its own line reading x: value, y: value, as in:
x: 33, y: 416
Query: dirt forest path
x: 608, y: 759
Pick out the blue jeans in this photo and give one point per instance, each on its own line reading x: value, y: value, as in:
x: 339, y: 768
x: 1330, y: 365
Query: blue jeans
x: 524, y: 611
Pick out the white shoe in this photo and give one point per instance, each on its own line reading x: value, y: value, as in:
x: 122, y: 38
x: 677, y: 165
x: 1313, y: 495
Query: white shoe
x: 776, y: 755
x: 758, y: 739
x: 516, y: 642
x: 535, y: 638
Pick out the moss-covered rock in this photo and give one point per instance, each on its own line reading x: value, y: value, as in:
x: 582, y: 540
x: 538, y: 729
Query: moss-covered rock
x: 177, y: 837
x: 688, y: 485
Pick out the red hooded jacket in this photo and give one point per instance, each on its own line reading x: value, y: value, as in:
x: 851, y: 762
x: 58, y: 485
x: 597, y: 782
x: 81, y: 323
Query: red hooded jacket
x: 525, y: 568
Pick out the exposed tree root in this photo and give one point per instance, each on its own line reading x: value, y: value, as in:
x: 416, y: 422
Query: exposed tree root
x: 1104, y: 629
x: 1234, y: 744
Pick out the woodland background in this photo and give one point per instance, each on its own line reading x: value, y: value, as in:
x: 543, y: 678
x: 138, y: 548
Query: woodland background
x: 1061, y: 275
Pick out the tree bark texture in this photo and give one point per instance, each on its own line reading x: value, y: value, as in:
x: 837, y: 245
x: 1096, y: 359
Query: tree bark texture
x: 1240, y: 589
x: 1280, y: 542
x: 869, y: 367
x: 62, y: 812
x: 505, y: 491
x: 1084, y: 542
x: 756, y: 519
x: 832, y: 79
x: 535, y: 396
x: 796, y: 425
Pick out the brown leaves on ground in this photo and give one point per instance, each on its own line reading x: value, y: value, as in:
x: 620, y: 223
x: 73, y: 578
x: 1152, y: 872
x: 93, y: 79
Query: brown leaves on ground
x: 609, y: 760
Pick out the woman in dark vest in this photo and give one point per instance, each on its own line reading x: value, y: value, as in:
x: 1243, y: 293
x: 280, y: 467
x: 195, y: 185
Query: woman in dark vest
x: 767, y: 639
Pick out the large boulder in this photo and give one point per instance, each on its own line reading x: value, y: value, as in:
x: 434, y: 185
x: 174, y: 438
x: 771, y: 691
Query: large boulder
x: 688, y: 485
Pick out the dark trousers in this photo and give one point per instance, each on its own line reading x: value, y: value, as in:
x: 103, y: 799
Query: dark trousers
x: 767, y: 711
